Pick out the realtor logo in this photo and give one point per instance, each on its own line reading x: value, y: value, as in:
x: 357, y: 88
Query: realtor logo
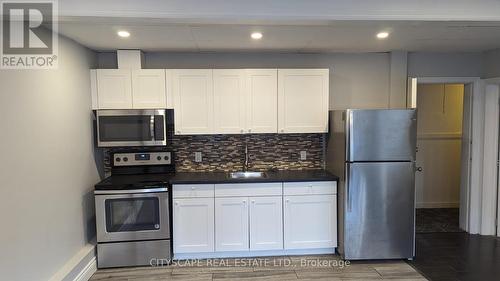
x: 29, y: 35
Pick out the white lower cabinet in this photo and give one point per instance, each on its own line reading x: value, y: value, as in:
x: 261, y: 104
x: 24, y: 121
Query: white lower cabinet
x: 193, y: 225
x: 266, y: 223
x: 231, y: 224
x: 246, y: 218
x: 310, y: 221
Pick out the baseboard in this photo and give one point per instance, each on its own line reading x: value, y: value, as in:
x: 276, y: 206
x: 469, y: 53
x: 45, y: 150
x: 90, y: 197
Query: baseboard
x: 427, y: 205
x: 80, y: 267
x: 250, y: 254
x: 87, y: 271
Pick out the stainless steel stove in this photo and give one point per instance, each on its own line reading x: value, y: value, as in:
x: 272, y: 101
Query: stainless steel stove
x: 133, y: 210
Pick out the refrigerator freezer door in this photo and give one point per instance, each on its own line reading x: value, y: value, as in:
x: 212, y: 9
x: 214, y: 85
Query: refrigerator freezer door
x: 381, y: 135
x: 379, y: 211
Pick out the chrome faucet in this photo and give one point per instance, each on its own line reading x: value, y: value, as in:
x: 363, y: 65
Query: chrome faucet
x: 245, y: 165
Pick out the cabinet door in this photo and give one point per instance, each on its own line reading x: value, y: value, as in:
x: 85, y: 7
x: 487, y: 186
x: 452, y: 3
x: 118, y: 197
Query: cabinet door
x: 193, y: 101
x: 262, y: 100
x: 114, y: 89
x: 231, y: 224
x: 310, y: 221
x: 229, y: 101
x: 266, y: 223
x: 148, y: 88
x: 193, y: 225
x: 303, y: 100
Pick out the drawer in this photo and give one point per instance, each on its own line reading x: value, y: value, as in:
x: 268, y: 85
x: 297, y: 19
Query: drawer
x: 310, y: 188
x: 193, y: 190
x: 248, y: 189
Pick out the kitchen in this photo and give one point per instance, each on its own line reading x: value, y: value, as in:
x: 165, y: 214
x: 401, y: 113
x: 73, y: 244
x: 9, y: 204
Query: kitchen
x: 232, y: 82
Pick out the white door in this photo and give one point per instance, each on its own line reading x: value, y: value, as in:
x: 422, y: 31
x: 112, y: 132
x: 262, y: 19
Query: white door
x: 229, y: 101
x: 114, y: 89
x: 303, y: 100
x: 193, y: 225
x: 231, y: 224
x: 148, y: 88
x: 310, y: 221
x: 266, y: 223
x: 262, y: 100
x: 193, y: 101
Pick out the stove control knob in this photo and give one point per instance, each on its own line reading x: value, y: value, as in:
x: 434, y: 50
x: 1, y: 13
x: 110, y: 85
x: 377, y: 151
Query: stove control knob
x: 118, y: 159
x: 125, y: 159
x: 166, y: 158
x: 158, y: 158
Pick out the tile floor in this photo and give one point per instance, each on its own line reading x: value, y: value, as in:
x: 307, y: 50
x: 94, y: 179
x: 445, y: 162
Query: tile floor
x: 437, y: 220
x: 324, y: 267
x: 458, y: 257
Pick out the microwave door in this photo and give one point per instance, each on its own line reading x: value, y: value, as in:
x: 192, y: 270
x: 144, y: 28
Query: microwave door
x: 131, y: 128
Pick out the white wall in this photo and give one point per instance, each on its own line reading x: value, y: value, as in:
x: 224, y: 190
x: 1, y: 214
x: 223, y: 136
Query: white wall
x: 439, y: 140
x: 356, y: 80
x: 47, y: 170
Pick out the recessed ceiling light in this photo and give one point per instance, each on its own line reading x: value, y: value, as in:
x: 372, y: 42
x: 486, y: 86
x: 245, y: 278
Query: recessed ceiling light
x: 123, y: 33
x: 382, y: 35
x: 256, y: 35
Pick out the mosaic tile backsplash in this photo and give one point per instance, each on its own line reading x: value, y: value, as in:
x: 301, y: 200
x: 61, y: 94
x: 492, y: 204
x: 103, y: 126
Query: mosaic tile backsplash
x: 227, y: 152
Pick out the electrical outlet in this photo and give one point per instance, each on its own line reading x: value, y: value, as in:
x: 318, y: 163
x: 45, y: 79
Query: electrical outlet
x: 303, y: 155
x: 197, y: 156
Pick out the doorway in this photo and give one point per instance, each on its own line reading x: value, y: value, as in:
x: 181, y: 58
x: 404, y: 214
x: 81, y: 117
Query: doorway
x: 441, y: 145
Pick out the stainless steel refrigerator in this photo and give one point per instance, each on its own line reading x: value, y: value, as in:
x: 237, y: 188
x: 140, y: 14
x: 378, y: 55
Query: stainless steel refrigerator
x: 373, y: 152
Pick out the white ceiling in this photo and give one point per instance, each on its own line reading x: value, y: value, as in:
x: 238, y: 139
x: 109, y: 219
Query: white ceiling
x: 336, y: 36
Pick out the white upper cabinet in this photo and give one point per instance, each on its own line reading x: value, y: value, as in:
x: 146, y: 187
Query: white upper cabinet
x: 114, y: 89
x: 303, y: 100
x: 129, y: 89
x: 193, y: 101
x: 262, y: 100
x: 148, y: 88
x: 229, y: 101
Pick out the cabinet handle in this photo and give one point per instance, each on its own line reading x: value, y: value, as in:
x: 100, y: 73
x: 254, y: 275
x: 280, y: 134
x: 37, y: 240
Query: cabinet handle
x: 241, y: 131
x: 249, y: 130
x: 176, y: 203
x: 282, y: 130
x: 287, y: 200
x: 253, y: 201
x: 193, y: 188
x: 244, y: 202
x: 178, y: 132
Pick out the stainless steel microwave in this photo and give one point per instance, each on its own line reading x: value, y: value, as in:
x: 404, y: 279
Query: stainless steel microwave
x: 131, y: 127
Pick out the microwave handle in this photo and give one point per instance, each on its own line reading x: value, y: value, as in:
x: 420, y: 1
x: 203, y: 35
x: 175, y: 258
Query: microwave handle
x: 152, y: 127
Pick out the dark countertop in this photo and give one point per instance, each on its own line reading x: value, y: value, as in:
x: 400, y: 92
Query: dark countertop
x: 136, y: 181
x: 274, y: 176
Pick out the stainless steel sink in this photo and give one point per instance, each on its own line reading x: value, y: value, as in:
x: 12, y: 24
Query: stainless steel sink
x: 247, y: 175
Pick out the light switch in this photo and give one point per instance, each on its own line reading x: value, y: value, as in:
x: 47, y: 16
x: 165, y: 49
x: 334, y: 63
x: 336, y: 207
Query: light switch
x: 197, y: 156
x: 303, y: 155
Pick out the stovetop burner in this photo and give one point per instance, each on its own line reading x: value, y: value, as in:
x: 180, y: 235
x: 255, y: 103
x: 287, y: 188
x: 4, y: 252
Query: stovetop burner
x: 139, y: 170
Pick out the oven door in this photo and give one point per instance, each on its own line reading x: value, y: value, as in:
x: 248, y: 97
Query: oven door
x: 133, y: 216
x: 131, y: 127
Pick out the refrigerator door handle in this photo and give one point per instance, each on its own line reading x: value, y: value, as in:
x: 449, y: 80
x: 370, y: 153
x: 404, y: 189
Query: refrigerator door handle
x: 347, y: 187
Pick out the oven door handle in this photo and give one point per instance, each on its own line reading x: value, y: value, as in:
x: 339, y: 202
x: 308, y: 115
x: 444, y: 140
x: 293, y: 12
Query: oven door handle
x: 131, y: 191
x: 152, y: 127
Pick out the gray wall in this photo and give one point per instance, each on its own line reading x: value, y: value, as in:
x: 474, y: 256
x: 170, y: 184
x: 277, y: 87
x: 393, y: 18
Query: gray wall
x: 47, y: 170
x: 422, y: 64
x: 356, y: 80
x: 492, y: 64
